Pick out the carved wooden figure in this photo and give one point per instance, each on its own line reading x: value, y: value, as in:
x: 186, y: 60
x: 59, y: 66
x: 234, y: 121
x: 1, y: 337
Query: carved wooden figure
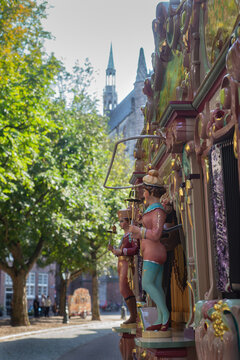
x: 153, y: 251
x: 127, y: 248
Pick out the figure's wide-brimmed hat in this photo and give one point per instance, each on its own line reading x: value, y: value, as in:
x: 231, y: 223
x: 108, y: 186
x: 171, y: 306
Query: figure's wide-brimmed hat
x: 153, y: 179
x: 124, y: 214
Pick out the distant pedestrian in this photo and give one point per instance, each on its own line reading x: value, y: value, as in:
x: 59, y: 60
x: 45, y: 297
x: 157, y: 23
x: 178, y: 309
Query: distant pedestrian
x: 43, y: 304
x: 47, y: 306
x: 36, y: 307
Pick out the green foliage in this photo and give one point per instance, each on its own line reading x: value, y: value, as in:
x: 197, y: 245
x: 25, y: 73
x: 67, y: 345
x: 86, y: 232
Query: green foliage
x: 27, y: 177
x: 54, y: 153
x: 26, y: 74
x: 82, y: 152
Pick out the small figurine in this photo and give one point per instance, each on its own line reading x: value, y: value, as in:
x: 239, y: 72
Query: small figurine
x: 153, y: 251
x: 127, y: 248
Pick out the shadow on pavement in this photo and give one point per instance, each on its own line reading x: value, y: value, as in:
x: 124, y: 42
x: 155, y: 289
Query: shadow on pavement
x: 64, y: 344
x: 103, y: 348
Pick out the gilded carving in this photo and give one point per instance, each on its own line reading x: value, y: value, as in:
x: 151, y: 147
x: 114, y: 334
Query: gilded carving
x: 215, y: 333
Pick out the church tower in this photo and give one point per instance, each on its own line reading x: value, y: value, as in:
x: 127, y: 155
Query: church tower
x: 142, y: 68
x: 109, y: 94
x: 139, y: 97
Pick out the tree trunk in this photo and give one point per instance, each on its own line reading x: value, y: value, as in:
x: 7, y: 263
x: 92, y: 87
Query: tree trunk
x: 95, y: 300
x: 19, y: 312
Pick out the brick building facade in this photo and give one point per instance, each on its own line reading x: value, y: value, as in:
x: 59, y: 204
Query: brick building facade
x: 40, y: 281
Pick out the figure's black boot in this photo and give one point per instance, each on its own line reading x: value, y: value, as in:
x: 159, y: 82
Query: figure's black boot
x: 132, y: 307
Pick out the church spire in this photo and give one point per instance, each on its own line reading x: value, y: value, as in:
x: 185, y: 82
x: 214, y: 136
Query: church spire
x: 110, y: 95
x: 110, y: 61
x: 142, y: 68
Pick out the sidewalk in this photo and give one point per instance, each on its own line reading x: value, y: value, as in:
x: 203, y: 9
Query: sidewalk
x: 42, y: 324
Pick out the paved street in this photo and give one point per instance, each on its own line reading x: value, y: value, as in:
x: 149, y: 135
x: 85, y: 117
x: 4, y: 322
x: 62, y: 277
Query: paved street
x: 94, y: 340
x: 103, y: 348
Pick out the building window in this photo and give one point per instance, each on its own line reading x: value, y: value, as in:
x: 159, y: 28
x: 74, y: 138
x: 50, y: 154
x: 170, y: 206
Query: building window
x: 42, y: 284
x: 8, y: 280
x: 30, y: 285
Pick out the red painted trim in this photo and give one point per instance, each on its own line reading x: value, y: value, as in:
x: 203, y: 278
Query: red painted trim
x: 178, y: 114
x: 170, y: 353
x: 180, y: 102
x: 128, y: 336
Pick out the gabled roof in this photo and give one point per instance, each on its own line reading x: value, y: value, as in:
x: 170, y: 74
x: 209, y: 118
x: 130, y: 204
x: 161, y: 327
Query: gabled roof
x: 121, y: 111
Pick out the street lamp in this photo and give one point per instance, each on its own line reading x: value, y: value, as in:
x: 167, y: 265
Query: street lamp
x: 66, y: 276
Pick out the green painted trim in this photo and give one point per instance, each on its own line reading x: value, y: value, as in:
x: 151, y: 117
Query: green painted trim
x: 164, y: 343
x: 202, y: 42
x: 135, y: 177
x: 121, y: 330
x: 159, y: 154
x: 171, y: 108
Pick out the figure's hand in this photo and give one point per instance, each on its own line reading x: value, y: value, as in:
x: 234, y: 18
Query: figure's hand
x: 167, y: 226
x: 136, y: 231
x: 117, y: 252
x: 135, y: 241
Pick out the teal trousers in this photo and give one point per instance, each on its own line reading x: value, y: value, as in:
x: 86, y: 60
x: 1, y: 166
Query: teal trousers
x: 152, y: 274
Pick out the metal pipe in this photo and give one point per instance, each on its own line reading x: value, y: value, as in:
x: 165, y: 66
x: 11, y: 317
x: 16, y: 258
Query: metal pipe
x: 113, y: 156
x: 173, y: 228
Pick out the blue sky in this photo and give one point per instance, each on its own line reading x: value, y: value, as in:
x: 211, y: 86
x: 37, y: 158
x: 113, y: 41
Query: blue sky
x: 86, y: 28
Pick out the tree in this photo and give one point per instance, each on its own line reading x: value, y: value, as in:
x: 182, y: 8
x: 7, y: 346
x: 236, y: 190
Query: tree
x: 26, y: 78
x: 26, y: 74
x: 53, y: 155
x: 87, y: 210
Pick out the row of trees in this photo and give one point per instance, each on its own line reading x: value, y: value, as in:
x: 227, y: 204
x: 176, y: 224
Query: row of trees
x: 54, y: 152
